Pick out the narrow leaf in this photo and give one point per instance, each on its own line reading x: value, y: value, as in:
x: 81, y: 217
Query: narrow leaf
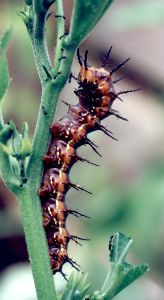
x: 76, y: 287
x: 16, y: 139
x: 26, y: 146
x: 5, y: 77
x: 4, y: 72
x: 85, y: 16
x: 8, y: 165
x: 119, y: 247
x: 5, y: 133
x: 15, y: 166
x: 4, y: 41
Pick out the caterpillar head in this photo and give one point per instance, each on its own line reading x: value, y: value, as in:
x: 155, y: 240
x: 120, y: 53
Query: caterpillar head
x: 94, y: 75
x: 94, y: 85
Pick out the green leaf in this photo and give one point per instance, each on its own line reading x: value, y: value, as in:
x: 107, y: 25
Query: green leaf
x: 21, y: 143
x: 28, y: 2
x: 4, y: 41
x: 25, y: 130
x: 4, y: 75
x: 7, y: 159
x: 76, y: 287
x: 17, y: 139
x: 15, y: 166
x: 119, y: 246
x: 120, y: 276
x: 26, y: 13
x: 5, y: 133
x: 121, y: 273
x: 4, y: 72
x: 41, y: 5
x: 85, y: 16
x: 26, y: 146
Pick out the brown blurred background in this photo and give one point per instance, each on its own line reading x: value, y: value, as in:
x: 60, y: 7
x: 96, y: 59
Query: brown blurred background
x: 128, y: 187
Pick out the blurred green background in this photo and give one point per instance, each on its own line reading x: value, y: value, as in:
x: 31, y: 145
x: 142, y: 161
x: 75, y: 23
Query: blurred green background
x: 128, y: 187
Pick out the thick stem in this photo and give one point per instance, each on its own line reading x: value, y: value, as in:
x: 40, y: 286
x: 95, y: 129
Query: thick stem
x: 49, y: 99
x: 42, y: 132
x: 30, y: 205
x: 29, y: 201
x: 50, y: 95
x: 36, y: 243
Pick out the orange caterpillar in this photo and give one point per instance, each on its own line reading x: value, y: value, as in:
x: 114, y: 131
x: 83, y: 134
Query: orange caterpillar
x: 96, y: 94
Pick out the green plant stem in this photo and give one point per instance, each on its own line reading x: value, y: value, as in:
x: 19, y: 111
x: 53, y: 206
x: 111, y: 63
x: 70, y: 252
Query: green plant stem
x: 60, y: 32
x: 39, y: 46
x: 50, y: 95
x: 28, y: 198
x: 30, y: 205
x: 36, y: 243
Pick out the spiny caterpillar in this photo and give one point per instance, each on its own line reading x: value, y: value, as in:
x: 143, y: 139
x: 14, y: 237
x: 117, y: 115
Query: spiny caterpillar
x: 96, y: 94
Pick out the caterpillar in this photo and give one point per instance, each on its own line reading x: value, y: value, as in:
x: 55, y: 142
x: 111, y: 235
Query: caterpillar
x: 96, y: 94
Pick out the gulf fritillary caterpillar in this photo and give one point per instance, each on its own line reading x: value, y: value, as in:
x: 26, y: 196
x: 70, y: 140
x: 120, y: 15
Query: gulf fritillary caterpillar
x: 96, y: 94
